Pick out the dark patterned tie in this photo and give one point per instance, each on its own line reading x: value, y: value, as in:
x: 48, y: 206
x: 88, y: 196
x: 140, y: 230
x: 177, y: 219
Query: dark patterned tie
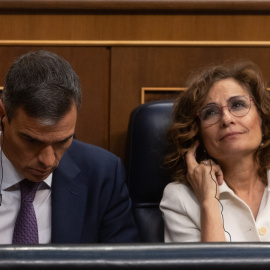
x: 26, y: 230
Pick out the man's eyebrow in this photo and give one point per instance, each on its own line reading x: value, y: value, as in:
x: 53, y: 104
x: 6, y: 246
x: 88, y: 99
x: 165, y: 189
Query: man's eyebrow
x: 66, y: 139
x: 30, y: 138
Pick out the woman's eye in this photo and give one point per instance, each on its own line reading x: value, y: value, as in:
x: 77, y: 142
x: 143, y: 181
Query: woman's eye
x: 238, y: 105
x: 210, y: 112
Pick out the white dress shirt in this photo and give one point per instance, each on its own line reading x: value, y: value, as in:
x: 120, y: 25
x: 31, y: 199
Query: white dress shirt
x: 181, y: 214
x: 11, y: 198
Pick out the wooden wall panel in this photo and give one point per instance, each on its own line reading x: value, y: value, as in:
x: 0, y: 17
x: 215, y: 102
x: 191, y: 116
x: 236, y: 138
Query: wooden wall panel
x: 109, y: 45
x: 137, y: 67
x: 92, y: 66
x: 138, y: 27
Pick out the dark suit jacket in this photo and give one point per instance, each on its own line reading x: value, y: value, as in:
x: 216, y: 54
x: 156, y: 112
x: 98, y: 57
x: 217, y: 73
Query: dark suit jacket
x: 90, y: 202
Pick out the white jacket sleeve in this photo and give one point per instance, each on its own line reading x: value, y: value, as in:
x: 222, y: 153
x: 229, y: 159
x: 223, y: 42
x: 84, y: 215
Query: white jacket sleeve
x: 181, y: 214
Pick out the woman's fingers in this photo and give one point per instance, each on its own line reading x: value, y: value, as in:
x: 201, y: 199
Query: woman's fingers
x: 219, y: 176
x: 191, y: 155
x: 203, y: 177
x: 205, y: 162
x: 214, y: 168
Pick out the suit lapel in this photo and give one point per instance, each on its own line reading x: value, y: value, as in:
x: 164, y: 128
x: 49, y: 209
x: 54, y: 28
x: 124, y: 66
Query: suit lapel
x: 68, y: 202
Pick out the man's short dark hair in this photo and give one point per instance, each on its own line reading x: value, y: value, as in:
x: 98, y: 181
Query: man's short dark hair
x: 43, y: 84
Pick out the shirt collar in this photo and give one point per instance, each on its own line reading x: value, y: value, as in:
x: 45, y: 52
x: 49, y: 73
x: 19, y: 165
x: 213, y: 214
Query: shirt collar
x: 224, y: 188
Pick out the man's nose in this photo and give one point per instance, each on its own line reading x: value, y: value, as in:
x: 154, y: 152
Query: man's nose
x: 47, y: 156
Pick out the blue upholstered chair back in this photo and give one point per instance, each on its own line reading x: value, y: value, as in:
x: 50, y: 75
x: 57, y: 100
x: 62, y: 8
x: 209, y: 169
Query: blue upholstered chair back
x: 146, y: 177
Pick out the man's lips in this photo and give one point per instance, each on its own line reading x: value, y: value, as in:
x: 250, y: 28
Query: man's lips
x: 41, y: 172
x: 230, y: 135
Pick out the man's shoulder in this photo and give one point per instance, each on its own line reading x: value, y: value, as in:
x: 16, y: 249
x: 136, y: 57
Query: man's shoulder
x: 91, y: 162
x: 78, y: 146
x: 88, y: 153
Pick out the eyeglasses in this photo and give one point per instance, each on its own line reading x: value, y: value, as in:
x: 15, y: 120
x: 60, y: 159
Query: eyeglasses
x: 211, y: 113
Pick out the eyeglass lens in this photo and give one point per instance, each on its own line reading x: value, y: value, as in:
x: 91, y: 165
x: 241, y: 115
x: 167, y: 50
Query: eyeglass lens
x: 237, y: 106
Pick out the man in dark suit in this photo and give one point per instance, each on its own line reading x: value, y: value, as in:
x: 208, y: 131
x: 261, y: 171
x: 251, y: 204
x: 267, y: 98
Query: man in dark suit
x: 54, y: 188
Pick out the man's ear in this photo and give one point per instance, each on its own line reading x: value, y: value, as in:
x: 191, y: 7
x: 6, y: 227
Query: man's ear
x: 2, y: 114
x: 2, y: 109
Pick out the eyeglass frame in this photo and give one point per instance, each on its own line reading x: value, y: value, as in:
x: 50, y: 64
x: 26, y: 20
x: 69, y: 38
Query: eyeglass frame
x: 221, y: 109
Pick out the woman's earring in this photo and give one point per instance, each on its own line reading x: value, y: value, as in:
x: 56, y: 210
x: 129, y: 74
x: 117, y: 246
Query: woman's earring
x: 261, y: 144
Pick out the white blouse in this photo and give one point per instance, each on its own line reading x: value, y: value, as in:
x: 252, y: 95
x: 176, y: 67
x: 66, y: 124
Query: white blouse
x: 181, y: 215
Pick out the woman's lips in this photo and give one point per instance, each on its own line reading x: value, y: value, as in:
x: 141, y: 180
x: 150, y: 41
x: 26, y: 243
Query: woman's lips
x: 230, y: 135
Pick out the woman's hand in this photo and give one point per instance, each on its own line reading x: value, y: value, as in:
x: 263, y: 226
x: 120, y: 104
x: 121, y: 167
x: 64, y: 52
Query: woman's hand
x: 203, y: 178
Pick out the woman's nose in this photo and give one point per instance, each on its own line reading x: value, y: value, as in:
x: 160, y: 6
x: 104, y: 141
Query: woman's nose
x: 226, y: 117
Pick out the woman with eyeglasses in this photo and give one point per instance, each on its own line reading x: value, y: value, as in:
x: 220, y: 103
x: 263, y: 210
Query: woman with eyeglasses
x: 220, y: 159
